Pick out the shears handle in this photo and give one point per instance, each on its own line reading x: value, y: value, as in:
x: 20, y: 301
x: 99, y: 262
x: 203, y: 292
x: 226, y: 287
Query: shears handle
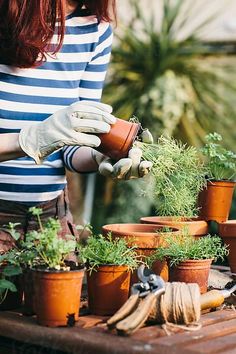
x: 139, y: 316
x: 129, y: 306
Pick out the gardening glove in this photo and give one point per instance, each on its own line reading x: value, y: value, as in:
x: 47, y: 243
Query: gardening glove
x: 67, y: 126
x: 127, y: 168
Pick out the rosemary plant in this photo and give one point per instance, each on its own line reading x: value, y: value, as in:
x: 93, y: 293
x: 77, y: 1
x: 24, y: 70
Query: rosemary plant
x: 178, y: 176
x: 102, y: 250
x: 184, y: 247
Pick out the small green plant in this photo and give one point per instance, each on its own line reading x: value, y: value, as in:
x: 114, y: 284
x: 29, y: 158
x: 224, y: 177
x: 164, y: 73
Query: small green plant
x: 178, y: 176
x: 220, y: 161
x: 48, y: 249
x: 179, y: 248
x: 101, y: 250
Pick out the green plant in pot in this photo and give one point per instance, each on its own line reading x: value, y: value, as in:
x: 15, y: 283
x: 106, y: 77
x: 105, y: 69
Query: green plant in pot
x: 57, y: 281
x: 216, y: 199
x: 109, y: 264
x: 178, y: 175
x: 189, y: 259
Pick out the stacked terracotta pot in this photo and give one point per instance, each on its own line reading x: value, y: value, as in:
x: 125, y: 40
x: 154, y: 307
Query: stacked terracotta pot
x: 215, y: 204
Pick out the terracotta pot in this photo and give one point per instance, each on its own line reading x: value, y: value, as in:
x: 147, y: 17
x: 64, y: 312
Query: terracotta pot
x: 13, y: 300
x: 192, y: 271
x: 108, y: 289
x: 117, y: 143
x: 57, y: 296
x: 194, y: 226
x: 29, y: 296
x: 147, y: 237
x: 215, y: 200
x: 227, y: 231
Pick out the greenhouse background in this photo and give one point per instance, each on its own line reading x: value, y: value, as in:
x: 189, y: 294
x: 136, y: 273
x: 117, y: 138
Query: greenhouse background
x: 173, y: 67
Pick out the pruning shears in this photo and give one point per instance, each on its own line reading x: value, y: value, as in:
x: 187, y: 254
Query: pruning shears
x: 134, y: 313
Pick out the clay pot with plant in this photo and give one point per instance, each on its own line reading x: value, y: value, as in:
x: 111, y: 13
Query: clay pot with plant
x: 146, y: 238
x: 227, y: 231
x: 178, y: 175
x: 190, y: 259
x: 57, y: 283
x: 109, y: 264
x: 216, y: 198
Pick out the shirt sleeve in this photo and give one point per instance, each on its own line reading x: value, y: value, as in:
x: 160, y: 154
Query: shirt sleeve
x: 92, y: 80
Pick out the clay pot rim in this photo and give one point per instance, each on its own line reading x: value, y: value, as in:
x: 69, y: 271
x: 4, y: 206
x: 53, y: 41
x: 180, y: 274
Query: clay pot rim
x: 107, y: 228
x: 176, y: 219
x: 109, y: 266
x: 219, y: 181
x: 50, y: 271
x: 227, y: 228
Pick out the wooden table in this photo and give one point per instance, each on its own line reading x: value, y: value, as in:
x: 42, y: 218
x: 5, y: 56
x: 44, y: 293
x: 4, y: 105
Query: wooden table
x: 90, y: 336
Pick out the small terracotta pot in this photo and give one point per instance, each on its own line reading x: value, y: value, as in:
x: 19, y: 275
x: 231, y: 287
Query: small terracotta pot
x: 57, y: 296
x: 108, y: 289
x: 117, y: 143
x: 215, y: 200
x: 227, y: 231
x: 194, y: 226
x: 192, y: 271
x: 147, y: 238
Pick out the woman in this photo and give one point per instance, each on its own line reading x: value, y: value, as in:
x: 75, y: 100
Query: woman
x: 53, y: 60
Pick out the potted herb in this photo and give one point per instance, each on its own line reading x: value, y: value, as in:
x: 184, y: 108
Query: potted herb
x: 146, y: 238
x: 190, y: 259
x: 57, y: 283
x: 216, y: 199
x: 109, y: 263
x: 178, y: 176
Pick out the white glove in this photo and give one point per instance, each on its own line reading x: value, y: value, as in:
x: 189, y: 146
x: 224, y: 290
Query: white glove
x: 67, y: 127
x: 126, y: 168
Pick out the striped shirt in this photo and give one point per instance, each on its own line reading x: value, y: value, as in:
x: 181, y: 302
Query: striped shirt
x: 28, y: 96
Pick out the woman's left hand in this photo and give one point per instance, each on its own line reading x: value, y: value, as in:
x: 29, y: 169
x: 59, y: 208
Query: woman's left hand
x: 127, y: 168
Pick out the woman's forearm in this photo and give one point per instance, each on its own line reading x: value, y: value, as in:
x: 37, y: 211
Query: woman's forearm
x: 9, y: 147
x: 83, y: 160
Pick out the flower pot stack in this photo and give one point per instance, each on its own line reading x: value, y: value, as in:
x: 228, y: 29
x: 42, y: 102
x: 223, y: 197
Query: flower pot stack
x: 147, y: 237
x: 216, y: 201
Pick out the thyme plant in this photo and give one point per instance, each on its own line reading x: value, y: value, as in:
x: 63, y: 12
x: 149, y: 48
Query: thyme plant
x: 180, y: 248
x: 220, y: 161
x: 178, y: 176
x: 101, y: 250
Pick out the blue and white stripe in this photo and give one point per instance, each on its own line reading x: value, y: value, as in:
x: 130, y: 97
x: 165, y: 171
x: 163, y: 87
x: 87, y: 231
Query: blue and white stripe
x: 28, y: 96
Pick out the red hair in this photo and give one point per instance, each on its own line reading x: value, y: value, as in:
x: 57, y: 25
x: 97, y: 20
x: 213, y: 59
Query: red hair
x: 26, y: 27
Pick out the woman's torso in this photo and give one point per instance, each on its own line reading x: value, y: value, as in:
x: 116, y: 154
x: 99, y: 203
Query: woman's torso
x: 29, y: 96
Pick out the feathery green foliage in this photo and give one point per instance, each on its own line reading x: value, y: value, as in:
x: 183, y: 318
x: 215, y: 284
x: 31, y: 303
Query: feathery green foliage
x: 180, y: 248
x: 178, y: 176
x: 101, y: 250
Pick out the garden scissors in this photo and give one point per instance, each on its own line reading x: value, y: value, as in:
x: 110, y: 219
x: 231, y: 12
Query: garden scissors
x: 134, y: 313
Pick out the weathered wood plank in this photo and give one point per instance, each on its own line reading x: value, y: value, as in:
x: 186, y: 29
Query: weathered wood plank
x: 218, y: 345
x: 208, y: 332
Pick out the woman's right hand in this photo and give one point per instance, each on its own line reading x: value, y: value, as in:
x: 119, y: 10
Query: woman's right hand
x: 68, y: 126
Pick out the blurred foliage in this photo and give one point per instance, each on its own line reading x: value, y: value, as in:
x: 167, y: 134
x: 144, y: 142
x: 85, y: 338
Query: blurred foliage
x: 180, y: 87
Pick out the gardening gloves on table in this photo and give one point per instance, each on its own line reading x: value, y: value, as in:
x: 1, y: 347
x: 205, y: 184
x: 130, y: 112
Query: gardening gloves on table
x: 67, y: 126
x: 127, y: 168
